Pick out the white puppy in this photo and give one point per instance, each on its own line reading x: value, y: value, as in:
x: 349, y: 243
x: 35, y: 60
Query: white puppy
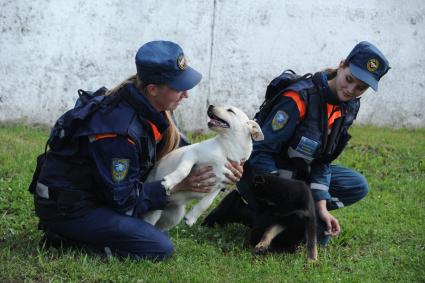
x: 233, y: 142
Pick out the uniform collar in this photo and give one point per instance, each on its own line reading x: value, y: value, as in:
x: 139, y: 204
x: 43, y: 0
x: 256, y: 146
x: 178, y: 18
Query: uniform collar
x: 330, y: 97
x: 143, y: 107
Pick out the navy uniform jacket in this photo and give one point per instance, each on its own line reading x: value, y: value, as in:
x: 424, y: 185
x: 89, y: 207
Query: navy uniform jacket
x: 278, y: 128
x: 116, y: 149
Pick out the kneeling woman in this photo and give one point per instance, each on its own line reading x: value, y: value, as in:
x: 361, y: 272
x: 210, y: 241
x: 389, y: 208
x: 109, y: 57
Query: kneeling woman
x: 306, y: 128
x: 89, y: 187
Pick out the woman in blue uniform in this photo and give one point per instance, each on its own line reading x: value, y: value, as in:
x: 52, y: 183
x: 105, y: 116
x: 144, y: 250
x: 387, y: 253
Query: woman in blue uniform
x: 306, y: 127
x: 89, y: 187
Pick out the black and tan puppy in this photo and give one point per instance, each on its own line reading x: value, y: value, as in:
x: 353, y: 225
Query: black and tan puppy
x: 285, y: 217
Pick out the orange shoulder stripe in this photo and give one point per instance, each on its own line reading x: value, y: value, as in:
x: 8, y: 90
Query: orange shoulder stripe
x: 155, y: 131
x: 104, y: 136
x: 108, y: 136
x: 300, y: 104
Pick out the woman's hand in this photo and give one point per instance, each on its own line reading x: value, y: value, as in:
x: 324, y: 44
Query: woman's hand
x: 199, y: 180
x: 237, y: 171
x: 332, y: 224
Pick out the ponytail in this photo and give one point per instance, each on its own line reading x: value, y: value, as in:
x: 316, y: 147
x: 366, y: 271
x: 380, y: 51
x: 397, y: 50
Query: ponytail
x: 170, y: 138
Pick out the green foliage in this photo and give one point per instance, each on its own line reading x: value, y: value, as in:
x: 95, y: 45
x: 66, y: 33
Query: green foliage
x: 382, y: 239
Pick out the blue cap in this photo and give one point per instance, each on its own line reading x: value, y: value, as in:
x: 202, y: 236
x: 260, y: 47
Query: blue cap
x: 368, y: 64
x: 163, y: 62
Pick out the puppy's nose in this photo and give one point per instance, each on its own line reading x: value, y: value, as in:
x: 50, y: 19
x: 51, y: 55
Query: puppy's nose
x: 210, y: 109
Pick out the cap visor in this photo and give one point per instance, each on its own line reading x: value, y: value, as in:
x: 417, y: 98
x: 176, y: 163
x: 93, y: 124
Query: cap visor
x: 187, y: 80
x: 364, y: 76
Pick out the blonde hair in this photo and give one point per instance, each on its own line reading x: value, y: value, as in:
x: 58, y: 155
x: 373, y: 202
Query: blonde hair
x: 171, y: 136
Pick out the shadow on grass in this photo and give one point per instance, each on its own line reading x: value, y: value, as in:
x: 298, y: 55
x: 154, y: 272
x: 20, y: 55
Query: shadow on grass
x: 227, y: 238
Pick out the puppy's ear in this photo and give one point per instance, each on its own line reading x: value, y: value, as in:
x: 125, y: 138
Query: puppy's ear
x: 255, y: 130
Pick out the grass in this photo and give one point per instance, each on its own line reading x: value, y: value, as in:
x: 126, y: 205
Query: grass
x: 382, y: 239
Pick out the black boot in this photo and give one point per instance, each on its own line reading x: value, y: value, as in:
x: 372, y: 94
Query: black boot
x: 51, y: 239
x: 232, y: 209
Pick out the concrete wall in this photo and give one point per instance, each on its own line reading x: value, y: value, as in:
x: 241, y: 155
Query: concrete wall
x: 49, y: 49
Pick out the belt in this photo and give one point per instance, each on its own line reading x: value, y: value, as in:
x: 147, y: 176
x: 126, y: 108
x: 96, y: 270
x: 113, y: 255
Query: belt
x: 52, y: 193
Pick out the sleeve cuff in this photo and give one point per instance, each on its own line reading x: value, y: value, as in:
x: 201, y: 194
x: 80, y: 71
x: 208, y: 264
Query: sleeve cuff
x: 152, y: 196
x: 320, y: 192
x: 319, y: 187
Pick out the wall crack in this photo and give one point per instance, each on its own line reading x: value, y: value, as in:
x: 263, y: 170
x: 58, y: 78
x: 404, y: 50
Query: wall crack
x: 211, y: 53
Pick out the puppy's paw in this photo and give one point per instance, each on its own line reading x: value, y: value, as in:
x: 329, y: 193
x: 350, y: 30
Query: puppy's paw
x: 189, y: 221
x: 261, y: 248
x: 312, y: 255
x: 167, y: 183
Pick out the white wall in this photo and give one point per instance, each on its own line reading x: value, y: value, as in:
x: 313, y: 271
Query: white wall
x: 49, y: 49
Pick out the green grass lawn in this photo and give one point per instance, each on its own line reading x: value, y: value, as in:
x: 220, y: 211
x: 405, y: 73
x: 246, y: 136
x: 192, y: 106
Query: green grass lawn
x: 382, y: 238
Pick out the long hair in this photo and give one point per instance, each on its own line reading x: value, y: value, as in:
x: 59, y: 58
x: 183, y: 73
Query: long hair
x: 171, y: 136
x: 332, y: 72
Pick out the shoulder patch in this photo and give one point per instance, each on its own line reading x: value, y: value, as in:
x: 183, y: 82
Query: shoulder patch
x: 119, y: 169
x: 279, y: 120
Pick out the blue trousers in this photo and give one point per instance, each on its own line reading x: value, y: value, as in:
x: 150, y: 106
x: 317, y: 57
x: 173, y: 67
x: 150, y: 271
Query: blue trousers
x: 106, y: 231
x: 347, y: 187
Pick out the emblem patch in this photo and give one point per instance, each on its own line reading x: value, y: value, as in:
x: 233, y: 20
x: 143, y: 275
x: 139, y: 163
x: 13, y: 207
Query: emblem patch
x: 119, y: 169
x: 307, y: 146
x: 280, y: 119
x: 181, y: 62
x: 372, y: 65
